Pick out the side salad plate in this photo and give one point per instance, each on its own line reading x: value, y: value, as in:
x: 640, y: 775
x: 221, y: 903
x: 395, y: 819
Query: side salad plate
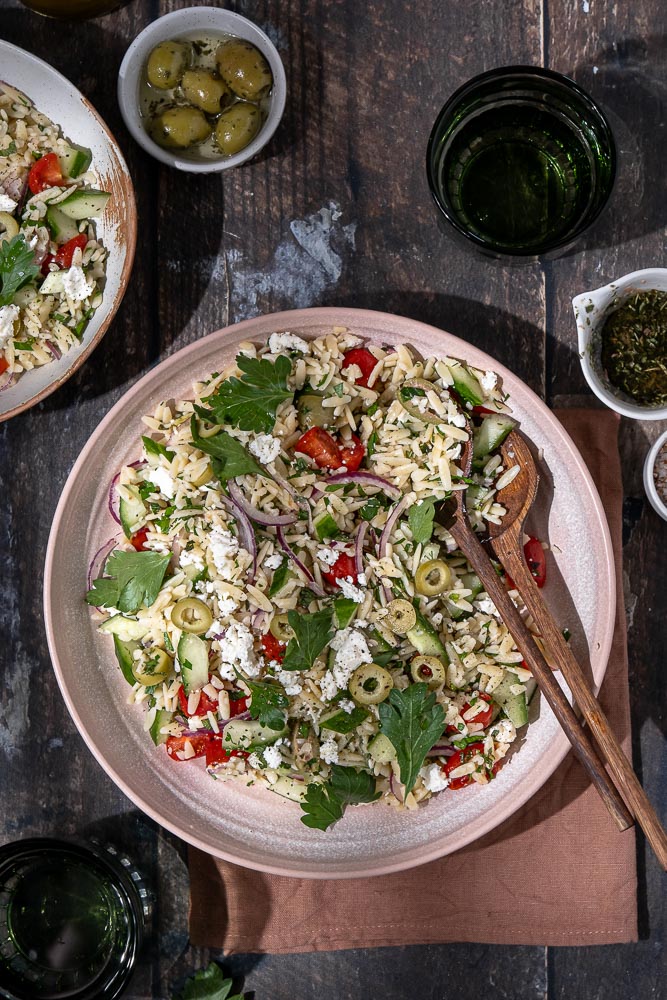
x: 261, y: 628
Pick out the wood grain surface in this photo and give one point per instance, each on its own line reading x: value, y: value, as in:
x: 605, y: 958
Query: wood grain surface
x: 337, y: 211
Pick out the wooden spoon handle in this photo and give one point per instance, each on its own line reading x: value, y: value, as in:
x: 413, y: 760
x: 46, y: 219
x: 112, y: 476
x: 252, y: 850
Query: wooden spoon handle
x: 479, y: 559
x: 621, y: 769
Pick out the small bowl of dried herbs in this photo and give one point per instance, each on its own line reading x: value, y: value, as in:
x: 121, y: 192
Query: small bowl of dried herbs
x: 622, y: 331
x: 655, y: 475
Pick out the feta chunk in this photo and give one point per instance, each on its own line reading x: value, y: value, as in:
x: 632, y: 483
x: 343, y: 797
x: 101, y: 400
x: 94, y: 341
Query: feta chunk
x: 350, y: 590
x: 287, y: 342
x: 329, y: 751
x: 488, y: 382
x: 7, y: 204
x: 76, y: 284
x: 273, y: 757
x: 273, y: 561
x: 164, y: 482
x: 290, y: 681
x: 327, y: 555
x: 351, y: 651
x: 236, y: 649
x: 8, y: 317
x: 433, y: 778
x: 188, y: 558
x: 223, y: 548
x: 265, y: 447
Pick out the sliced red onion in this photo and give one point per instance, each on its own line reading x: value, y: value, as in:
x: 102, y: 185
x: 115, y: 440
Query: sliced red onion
x: 285, y: 484
x: 8, y: 382
x: 359, y: 548
x: 99, y: 559
x: 364, y: 479
x: 245, y: 530
x: 315, y: 587
x: 54, y: 349
x: 396, y: 787
x: 218, y: 636
x: 271, y: 520
x: 441, y: 751
x: 112, y: 497
x: 260, y: 620
x: 389, y: 526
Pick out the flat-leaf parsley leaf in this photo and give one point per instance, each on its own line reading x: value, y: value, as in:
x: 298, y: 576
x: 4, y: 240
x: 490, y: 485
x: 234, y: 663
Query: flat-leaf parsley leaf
x: 209, y: 984
x: 412, y: 721
x: 251, y: 401
x: 311, y: 634
x: 268, y: 703
x: 325, y: 802
x: 230, y: 458
x: 17, y: 267
x: 155, y: 448
x: 132, y: 580
x: 420, y: 519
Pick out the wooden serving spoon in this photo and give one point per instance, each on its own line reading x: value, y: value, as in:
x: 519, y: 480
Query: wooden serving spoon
x: 506, y: 539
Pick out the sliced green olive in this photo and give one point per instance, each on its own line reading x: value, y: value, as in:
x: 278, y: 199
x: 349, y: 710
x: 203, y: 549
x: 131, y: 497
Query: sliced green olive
x: 400, y: 617
x: 204, y: 477
x: 167, y: 63
x: 311, y: 412
x: 181, y: 127
x: 154, y: 667
x: 280, y: 628
x: 237, y: 127
x: 428, y: 670
x: 192, y: 615
x: 244, y: 69
x: 205, y: 90
x: 370, y: 684
x: 9, y: 227
x: 433, y: 577
x: 412, y: 397
x: 206, y: 430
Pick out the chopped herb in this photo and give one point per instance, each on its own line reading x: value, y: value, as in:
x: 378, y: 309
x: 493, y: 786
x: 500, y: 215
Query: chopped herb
x: 208, y: 984
x: 339, y: 389
x: 167, y: 642
x: 372, y: 409
x: 371, y: 443
x: 344, y: 609
x: 155, y: 448
x: 306, y: 596
x: 146, y: 489
x: 345, y: 722
x: 132, y: 580
x: 420, y: 519
x: 11, y: 148
x: 230, y: 458
x: 268, y: 703
x: 60, y: 317
x: 279, y: 578
x: 17, y: 267
x: 24, y: 345
x: 325, y: 802
x: 411, y: 391
x: 312, y: 632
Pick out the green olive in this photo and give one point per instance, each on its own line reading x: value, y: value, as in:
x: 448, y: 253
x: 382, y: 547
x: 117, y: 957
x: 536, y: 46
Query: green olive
x: 167, y: 63
x: 154, y: 667
x: 412, y: 397
x: 206, y: 430
x: 311, y: 412
x: 178, y: 128
x: 244, y: 69
x: 204, y: 477
x: 433, y: 577
x: 400, y: 617
x: 428, y: 670
x: 237, y: 127
x: 280, y: 628
x: 192, y: 615
x: 370, y: 684
x: 8, y: 227
x: 205, y: 90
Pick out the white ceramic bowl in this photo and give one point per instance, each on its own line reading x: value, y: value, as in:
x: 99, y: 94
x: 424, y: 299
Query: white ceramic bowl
x: 57, y: 98
x: 591, y: 310
x: 657, y: 503
x: 217, y: 21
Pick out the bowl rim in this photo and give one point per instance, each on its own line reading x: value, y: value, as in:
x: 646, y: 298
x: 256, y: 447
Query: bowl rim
x: 130, y: 222
x: 659, y: 506
x: 585, y: 331
x: 128, y: 79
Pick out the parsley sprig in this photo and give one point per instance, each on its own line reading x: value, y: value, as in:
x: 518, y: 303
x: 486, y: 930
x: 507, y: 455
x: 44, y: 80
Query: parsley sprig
x: 251, y: 401
x: 230, y: 458
x: 412, y: 721
x: 420, y: 519
x: 325, y: 802
x: 208, y: 984
x: 17, y: 267
x: 131, y: 580
x: 311, y: 634
x: 268, y: 704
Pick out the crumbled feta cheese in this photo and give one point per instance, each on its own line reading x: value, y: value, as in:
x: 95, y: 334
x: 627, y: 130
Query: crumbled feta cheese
x: 76, y: 284
x: 329, y: 751
x: 433, y: 778
x: 347, y: 705
x: 273, y: 757
x: 349, y: 590
x: 7, y: 204
x: 286, y: 342
x: 328, y: 687
x: 488, y: 382
x: 236, y: 649
x: 265, y: 447
x: 457, y: 419
x: 217, y: 628
x: 290, y: 681
x: 164, y: 482
x: 191, y: 558
x: 8, y: 316
x: 351, y: 651
x: 504, y: 731
x: 273, y: 561
x: 256, y: 761
x: 327, y: 555
x: 486, y: 606
x: 224, y: 547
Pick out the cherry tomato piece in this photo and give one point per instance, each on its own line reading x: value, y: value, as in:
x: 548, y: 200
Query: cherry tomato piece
x: 483, y: 718
x: 205, y: 705
x: 480, y: 411
x: 238, y: 707
x: 138, y: 539
x: 537, y: 560
x: 321, y: 447
x: 273, y: 649
x: 216, y: 753
x: 44, y: 267
x: 4, y: 365
x: 342, y: 568
x: 198, y: 742
x: 64, y: 256
x: 462, y: 757
x: 45, y: 173
x: 363, y: 359
x: 352, y: 454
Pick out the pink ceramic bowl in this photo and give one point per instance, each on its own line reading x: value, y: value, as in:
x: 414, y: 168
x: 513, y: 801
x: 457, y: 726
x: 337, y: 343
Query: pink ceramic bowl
x: 250, y: 826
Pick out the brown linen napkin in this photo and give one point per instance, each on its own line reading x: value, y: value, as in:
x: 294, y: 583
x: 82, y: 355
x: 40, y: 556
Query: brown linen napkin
x: 555, y: 873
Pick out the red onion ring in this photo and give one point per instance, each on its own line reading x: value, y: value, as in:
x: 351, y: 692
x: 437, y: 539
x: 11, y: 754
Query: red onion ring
x: 364, y: 479
x: 259, y: 621
x: 9, y: 381
x: 112, y: 498
x: 98, y: 560
x: 245, y: 530
x: 315, y: 587
x: 389, y: 526
x: 359, y: 548
x: 54, y: 349
x: 396, y: 786
x: 441, y: 751
x: 271, y: 520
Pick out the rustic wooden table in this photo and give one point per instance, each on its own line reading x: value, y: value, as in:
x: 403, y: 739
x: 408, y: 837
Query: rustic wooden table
x: 337, y: 212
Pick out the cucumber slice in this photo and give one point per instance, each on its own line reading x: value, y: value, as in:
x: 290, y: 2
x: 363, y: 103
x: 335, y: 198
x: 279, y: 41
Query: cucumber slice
x: 381, y: 749
x: 126, y: 629
x: 61, y: 227
x: 84, y: 204
x: 124, y: 650
x: 290, y: 788
x: 193, y: 658
x: 249, y: 735
x: 162, y: 718
x: 340, y: 721
x: 515, y: 706
x: 326, y: 527
x: 490, y: 435
x: 426, y: 640
x: 467, y: 385
x: 53, y: 283
x: 74, y: 160
x: 132, y: 511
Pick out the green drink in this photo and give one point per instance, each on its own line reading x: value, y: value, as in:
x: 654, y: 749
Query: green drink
x: 520, y: 162
x: 71, y: 920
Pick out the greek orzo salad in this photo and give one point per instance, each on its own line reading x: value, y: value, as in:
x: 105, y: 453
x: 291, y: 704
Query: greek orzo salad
x: 51, y: 263
x: 281, y: 596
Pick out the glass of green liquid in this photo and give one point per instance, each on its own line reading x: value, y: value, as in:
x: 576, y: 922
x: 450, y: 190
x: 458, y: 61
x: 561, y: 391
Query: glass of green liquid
x: 520, y: 162
x: 71, y: 921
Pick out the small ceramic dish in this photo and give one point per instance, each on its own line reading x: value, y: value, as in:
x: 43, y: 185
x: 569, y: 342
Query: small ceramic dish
x: 591, y: 309
x: 657, y: 499
x: 182, y: 24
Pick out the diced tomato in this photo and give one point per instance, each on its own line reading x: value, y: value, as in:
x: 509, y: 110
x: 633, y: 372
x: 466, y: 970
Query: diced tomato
x: 199, y: 742
x: 4, y: 365
x: 510, y: 582
x: 205, y: 705
x: 480, y: 411
x: 238, y: 707
x: 216, y: 753
x: 138, y: 539
x: 44, y: 267
x: 45, y: 173
x: 321, y: 447
x: 273, y: 648
x: 483, y: 718
x: 462, y: 757
x: 363, y: 359
x: 64, y: 256
x: 537, y: 560
x: 352, y: 455
x: 342, y: 568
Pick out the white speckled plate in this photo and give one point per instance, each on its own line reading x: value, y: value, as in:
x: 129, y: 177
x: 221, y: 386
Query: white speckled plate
x: 250, y: 826
x: 60, y: 101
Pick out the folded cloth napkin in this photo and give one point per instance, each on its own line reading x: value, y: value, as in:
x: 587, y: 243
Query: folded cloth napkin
x: 556, y: 873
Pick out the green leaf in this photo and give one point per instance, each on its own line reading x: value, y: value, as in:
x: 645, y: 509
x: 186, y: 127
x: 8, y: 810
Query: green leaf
x: 372, y: 507
x: 155, y: 448
x: 230, y: 458
x: 279, y: 578
x: 420, y: 519
x: 132, y: 580
x: 24, y: 345
x: 345, y: 722
x: 209, y: 984
x: 251, y: 402
x: 370, y: 445
x: 11, y: 148
x: 311, y: 634
x: 326, y: 527
x: 17, y: 267
x: 325, y: 802
x: 344, y: 609
x: 268, y: 701
x: 412, y: 721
